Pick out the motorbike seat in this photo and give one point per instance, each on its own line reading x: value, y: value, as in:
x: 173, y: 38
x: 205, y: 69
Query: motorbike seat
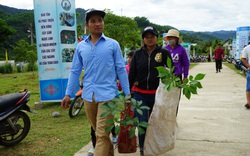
x: 9, y: 100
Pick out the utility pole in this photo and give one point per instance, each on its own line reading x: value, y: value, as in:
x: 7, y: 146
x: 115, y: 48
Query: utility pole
x: 193, y: 44
x: 30, y: 30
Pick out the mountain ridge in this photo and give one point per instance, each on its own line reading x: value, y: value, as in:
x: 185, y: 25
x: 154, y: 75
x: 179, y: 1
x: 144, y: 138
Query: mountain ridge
x: 212, y: 35
x: 203, y: 35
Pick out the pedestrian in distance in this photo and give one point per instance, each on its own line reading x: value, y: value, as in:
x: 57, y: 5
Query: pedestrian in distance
x: 218, y: 56
x: 102, y: 61
x: 143, y: 75
x: 129, y: 58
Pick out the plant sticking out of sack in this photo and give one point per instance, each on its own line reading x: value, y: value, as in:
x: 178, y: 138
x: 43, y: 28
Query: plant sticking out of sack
x: 121, y: 107
x: 118, y: 106
x: 170, y: 80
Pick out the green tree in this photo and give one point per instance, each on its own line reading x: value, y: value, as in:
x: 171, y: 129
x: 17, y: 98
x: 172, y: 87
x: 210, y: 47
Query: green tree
x: 21, y: 23
x: 79, y: 30
x: 32, y: 57
x: 5, y: 31
x: 142, y: 21
x: 123, y: 29
x: 21, y: 51
x: 79, y: 27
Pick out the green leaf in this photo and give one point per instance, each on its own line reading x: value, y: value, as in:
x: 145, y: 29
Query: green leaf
x: 109, y: 121
x: 132, y: 132
x: 143, y: 124
x: 166, y: 86
x: 114, y: 112
x: 104, y: 114
x: 139, y: 103
x: 117, y: 119
x: 169, y: 63
x: 144, y: 107
x: 177, y: 79
x: 119, y: 104
x: 185, y: 90
x: 139, y: 111
x: 185, y: 81
x: 109, y: 128
x: 199, y: 85
x: 117, y: 129
x: 130, y: 122
x: 127, y: 98
x: 118, y: 99
x: 190, y: 78
x: 194, y: 82
x: 112, y: 105
x: 199, y: 76
x: 162, y: 71
x: 133, y: 100
x: 120, y: 107
x: 188, y: 95
x: 141, y: 130
x: 170, y: 87
x: 105, y: 106
x: 193, y: 89
x: 172, y: 69
x: 135, y: 119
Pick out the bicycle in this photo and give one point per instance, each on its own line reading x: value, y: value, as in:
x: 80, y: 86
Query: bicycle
x: 77, y: 103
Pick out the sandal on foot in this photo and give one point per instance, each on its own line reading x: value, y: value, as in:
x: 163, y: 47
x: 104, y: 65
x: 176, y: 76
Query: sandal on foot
x: 91, y: 152
x: 247, y: 106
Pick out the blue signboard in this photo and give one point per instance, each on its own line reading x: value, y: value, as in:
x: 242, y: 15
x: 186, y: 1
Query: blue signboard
x: 242, y: 39
x: 56, y: 38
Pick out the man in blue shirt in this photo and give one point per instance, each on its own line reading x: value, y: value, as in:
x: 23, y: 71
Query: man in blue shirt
x: 102, y: 61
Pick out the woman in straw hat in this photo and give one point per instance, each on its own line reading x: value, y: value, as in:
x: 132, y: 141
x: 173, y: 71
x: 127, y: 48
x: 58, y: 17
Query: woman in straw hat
x: 178, y: 53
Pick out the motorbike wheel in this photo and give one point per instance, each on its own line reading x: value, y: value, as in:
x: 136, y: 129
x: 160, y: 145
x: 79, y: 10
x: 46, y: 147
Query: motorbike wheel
x: 21, y: 121
x: 76, y: 106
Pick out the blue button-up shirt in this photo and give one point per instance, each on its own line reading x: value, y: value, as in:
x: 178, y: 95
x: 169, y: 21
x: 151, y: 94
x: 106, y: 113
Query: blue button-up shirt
x: 103, y: 63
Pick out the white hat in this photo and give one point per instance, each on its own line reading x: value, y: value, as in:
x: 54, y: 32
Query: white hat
x: 172, y: 32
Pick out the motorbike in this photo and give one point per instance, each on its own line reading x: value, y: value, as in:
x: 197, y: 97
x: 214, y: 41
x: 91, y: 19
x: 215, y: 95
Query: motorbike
x: 77, y: 103
x: 14, y: 122
x: 237, y: 63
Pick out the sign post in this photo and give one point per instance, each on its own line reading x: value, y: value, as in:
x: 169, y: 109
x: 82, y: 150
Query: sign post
x: 56, y: 38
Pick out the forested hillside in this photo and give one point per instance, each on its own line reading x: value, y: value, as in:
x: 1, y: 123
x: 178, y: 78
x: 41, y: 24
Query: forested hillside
x: 209, y: 36
x: 13, y: 11
x: 22, y: 21
x: 191, y: 36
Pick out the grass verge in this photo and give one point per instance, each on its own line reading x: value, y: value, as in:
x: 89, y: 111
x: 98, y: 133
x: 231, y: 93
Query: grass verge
x: 48, y: 136
x: 231, y: 66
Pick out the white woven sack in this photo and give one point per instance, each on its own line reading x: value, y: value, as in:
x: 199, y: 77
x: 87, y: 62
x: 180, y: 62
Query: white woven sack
x: 160, y: 135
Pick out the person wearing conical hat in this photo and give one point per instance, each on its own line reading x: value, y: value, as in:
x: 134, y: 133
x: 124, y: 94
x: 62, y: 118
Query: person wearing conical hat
x: 178, y: 53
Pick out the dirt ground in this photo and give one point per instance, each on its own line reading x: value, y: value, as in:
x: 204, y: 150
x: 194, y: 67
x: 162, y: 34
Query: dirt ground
x: 212, y: 123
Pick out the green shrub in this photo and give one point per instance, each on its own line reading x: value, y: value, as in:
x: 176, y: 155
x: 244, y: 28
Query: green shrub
x: 19, y: 70
x: 1, y: 69
x: 6, y: 68
x: 31, y: 67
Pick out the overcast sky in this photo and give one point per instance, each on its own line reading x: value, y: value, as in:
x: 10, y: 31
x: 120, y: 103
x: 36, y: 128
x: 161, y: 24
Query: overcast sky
x: 194, y: 15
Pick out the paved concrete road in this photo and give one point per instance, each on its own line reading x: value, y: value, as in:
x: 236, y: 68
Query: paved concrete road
x: 214, y: 122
